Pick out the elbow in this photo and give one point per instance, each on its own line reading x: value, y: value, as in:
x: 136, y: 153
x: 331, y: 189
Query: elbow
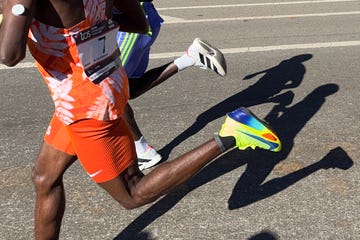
x: 11, y: 58
x: 11, y: 61
x: 131, y: 24
x: 141, y: 28
x: 144, y: 29
x: 143, y: 25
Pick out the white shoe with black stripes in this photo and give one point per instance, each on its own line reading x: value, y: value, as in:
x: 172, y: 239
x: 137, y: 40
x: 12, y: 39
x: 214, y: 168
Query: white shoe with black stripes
x: 148, y: 159
x: 207, y: 56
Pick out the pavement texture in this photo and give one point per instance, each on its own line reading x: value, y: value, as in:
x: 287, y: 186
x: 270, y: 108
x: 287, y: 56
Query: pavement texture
x: 309, y: 95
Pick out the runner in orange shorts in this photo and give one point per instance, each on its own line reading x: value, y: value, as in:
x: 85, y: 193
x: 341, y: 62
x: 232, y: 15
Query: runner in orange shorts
x: 104, y: 148
x: 89, y: 87
x: 74, y: 45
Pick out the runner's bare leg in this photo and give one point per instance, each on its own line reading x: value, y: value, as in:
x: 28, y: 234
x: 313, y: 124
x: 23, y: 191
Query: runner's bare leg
x: 139, y: 86
x: 133, y: 189
x: 151, y: 78
x: 47, y: 177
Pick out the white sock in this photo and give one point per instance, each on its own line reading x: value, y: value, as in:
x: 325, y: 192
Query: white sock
x: 185, y: 60
x: 141, y: 145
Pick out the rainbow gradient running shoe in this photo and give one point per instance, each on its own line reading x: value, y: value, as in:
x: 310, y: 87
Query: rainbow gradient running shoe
x: 249, y: 131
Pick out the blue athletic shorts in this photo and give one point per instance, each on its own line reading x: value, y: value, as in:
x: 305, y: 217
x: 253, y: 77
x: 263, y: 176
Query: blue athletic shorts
x: 135, y: 48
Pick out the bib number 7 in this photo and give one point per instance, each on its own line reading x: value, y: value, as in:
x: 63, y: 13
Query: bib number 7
x: 98, y: 50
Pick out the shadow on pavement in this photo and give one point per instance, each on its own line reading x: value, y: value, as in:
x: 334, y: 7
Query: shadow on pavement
x: 247, y: 191
x: 286, y: 75
x: 288, y: 121
x: 265, y: 235
x: 250, y: 188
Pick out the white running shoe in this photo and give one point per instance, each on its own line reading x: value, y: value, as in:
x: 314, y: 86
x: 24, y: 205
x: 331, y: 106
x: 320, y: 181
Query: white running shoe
x: 148, y: 159
x: 207, y: 56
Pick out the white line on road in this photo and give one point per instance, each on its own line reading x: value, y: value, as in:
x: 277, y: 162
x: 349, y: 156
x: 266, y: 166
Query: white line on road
x: 19, y: 65
x: 232, y: 50
x: 179, y: 20
x: 268, y: 48
x: 254, y: 4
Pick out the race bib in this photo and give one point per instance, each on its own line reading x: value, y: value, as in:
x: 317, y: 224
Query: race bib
x: 98, y: 50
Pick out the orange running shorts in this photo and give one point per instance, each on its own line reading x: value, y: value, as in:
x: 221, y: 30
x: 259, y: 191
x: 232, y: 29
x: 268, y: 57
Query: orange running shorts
x: 104, y: 148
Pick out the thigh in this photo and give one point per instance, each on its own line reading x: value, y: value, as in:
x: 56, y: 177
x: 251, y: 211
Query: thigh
x: 141, y: 52
x: 134, y: 52
x: 51, y: 164
x: 104, y: 148
x: 122, y: 187
x: 135, y: 48
x: 138, y: 58
x: 57, y: 136
x: 56, y: 153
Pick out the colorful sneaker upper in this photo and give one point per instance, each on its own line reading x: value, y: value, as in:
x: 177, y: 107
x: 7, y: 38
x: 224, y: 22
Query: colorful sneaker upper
x: 249, y: 131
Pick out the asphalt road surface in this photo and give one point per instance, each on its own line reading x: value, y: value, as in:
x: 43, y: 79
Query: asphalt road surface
x: 293, y: 63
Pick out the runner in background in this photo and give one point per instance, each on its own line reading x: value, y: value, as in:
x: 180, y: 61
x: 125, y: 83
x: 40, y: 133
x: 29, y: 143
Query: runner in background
x: 135, y: 51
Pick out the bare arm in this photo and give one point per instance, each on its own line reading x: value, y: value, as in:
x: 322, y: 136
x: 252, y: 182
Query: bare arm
x: 1, y: 6
x: 14, y: 31
x: 132, y: 17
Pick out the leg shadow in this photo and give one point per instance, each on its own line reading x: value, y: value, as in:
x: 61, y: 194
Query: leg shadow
x: 286, y: 75
x: 259, y: 168
x: 288, y: 122
x: 235, y: 159
x: 141, y: 236
x: 247, y: 194
x: 219, y: 167
x: 264, y: 235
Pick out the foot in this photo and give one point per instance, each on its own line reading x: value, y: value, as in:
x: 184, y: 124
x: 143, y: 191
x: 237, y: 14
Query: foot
x: 148, y: 159
x: 207, y: 56
x: 337, y: 158
x: 249, y: 131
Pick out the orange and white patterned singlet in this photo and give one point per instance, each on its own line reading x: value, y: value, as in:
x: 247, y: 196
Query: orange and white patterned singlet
x: 81, y: 66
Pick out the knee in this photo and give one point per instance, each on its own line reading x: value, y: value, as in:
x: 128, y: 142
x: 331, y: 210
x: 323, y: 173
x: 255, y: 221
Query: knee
x: 140, y: 198
x: 136, y: 198
x: 43, y: 182
x: 39, y: 180
x: 136, y: 201
x: 47, y: 173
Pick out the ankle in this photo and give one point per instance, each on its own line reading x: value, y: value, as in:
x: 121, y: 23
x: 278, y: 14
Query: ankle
x: 141, y: 145
x: 225, y: 143
x: 183, y: 62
